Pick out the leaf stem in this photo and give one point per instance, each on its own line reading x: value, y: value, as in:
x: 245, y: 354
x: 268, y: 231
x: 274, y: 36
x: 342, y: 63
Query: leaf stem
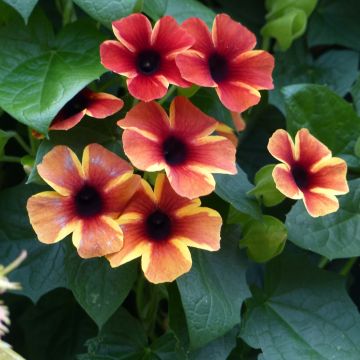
x: 170, y: 92
x: 22, y: 143
x: 323, y: 262
x: 11, y: 159
x: 348, y: 266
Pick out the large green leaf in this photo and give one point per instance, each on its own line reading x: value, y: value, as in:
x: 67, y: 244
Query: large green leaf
x: 335, y: 22
x: 213, y: 291
x: 302, y: 313
x: 98, y: 288
x: 106, y: 11
x: 233, y: 189
x: 155, y: 8
x: 23, y: 7
x: 335, y: 235
x: 39, y: 73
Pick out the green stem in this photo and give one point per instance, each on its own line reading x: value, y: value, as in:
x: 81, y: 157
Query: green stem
x: 348, y: 266
x: 265, y: 43
x: 12, y: 159
x: 32, y: 141
x: 170, y: 92
x: 22, y: 143
x: 323, y: 262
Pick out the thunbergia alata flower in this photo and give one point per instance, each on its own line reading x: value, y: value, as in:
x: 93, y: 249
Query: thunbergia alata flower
x: 86, y: 102
x: 159, y: 226
x: 225, y: 60
x: 146, y: 56
x: 180, y: 144
x: 87, y: 199
x: 308, y: 172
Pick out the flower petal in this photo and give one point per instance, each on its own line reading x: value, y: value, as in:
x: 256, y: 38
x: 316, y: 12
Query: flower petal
x: 165, y: 261
x: 215, y: 154
x: 169, y: 38
x: 199, y: 227
x: 117, y: 58
x: 200, y: 32
x: 97, y: 236
x: 102, y: 105
x: 238, y: 121
x: 51, y: 216
x: 319, y: 204
x: 230, y: 37
x: 182, y: 115
x: 134, y: 31
x: 237, y: 96
x: 171, y: 72
x: 147, y: 88
x: 148, y: 119
x: 61, y: 169
x: 285, y: 182
x: 281, y: 147
x: 309, y: 150
x: 330, y: 174
x: 103, y: 168
x: 144, y: 154
x: 227, y: 132
x: 61, y: 122
x: 253, y: 68
x: 195, y: 68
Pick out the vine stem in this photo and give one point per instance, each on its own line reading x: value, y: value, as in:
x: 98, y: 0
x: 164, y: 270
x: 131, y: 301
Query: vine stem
x: 171, y: 90
x: 11, y: 159
x: 323, y: 262
x: 22, y: 143
x: 348, y: 266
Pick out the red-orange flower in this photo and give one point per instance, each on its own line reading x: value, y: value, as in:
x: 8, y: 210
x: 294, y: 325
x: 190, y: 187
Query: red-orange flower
x: 86, y: 102
x: 224, y: 59
x: 146, y: 56
x: 87, y: 199
x: 308, y: 171
x: 180, y: 144
x: 159, y: 226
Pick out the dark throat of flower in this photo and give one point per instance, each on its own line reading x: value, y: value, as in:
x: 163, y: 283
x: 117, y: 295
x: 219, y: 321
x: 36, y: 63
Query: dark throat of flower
x: 88, y: 201
x: 158, y: 226
x: 219, y: 67
x: 301, y: 176
x: 175, y: 151
x: 148, y: 62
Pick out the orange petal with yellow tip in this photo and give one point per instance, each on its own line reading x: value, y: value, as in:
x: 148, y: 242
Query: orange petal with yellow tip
x: 65, y: 123
x: 62, y: 170
x: 228, y: 132
x: 281, y: 147
x: 102, y: 104
x: 51, y: 216
x: 285, y: 182
x: 166, y: 261
x: 238, y: 121
x: 320, y: 204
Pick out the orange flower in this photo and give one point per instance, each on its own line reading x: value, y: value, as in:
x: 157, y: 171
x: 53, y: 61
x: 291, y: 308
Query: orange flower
x: 180, y: 144
x: 159, y: 226
x: 308, y: 171
x: 87, y: 199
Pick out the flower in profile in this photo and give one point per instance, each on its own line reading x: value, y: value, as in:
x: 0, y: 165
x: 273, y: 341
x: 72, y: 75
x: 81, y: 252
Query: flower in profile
x: 228, y: 132
x: 146, y: 56
x: 180, y: 144
x: 86, y: 102
x: 159, y: 226
x: 225, y: 59
x: 308, y: 172
x: 87, y: 199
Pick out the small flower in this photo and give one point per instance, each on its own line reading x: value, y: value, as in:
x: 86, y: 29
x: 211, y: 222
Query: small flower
x: 224, y: 59
x: 180, y: 144
x: 86, y: 102
x: 86, y: 200
x: 146, y: 56
x: 308, y: 171
x: 159, y: 226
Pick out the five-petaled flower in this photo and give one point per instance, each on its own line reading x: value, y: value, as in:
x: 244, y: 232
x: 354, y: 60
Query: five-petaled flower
x: 225, y: 60
x: 86, y: 102
x: 159, y: 226
x: 308, y: 171
x: 180, y: 144
x: 145, y: 56
x: 87, y: 199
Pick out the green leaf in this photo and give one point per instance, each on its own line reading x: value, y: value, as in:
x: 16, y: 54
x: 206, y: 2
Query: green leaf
x: 42, y: 271
x: 47, y: 71
x: 233, y: 189
x: 335, y: 235
x: 327, y: 116
x: 302, y: 313
x: 213, y: 291
x: 23, y: 7
x: 335, y: 23
x: 106, y: 11
x: 155, y: 8
x: 355, y: 93
x: 98, y: 288
x: 264, y: 239
x: 5, y: 136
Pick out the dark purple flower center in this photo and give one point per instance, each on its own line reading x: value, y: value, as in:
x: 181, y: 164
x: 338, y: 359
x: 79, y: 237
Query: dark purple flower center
x: 219, y: 67
x: 301, y: 176
x: 78, y: 103
x: 158, y: 226
x: 174, y: 150
x: 148, y: 62
x: 88, y: 201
